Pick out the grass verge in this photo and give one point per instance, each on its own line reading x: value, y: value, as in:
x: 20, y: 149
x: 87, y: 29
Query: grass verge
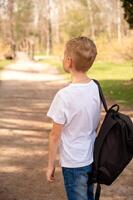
x: 3, y: 63
x: 116, y: 79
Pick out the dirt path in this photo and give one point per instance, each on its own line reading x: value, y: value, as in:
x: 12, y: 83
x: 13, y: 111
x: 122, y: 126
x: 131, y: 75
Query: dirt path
x: 25, y: 95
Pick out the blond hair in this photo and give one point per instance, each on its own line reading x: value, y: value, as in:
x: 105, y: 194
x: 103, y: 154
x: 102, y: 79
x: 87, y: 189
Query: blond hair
x: 83, y: 52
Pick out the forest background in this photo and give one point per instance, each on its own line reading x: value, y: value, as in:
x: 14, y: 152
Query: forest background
x: 48, y: 24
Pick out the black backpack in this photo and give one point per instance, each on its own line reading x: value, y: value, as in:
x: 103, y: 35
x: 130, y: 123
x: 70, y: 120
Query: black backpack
x: 113, y: 147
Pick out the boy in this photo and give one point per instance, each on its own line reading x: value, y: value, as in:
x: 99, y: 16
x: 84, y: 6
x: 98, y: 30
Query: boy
x: 75, y: 112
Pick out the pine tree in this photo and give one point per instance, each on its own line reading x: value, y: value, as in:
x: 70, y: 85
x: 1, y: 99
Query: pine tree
x: 128, y: 7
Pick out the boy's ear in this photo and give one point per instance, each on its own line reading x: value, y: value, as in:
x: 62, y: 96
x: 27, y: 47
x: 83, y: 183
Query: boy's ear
x: 69, y: 61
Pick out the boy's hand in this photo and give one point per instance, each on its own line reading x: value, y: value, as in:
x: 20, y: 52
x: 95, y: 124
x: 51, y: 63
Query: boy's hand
x: 50, y: 174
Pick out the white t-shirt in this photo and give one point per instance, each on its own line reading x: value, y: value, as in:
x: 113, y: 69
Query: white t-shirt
x: 78, y: 107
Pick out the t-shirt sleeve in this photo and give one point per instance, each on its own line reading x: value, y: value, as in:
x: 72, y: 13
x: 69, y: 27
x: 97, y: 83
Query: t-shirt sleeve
x: 57, y: 110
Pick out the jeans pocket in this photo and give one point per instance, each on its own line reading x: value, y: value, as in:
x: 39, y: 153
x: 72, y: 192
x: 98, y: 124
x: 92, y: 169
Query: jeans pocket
x: 69, y: 178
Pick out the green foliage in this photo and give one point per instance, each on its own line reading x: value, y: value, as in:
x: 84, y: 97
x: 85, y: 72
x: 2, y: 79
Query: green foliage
x: 128, y: 7
x: 68, y: 19
x: 83, y: 2
x: 76, y: 22
x: 23, y: 17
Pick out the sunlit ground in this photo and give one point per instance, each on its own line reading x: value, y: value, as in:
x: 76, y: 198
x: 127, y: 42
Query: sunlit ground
x: 24, y: 129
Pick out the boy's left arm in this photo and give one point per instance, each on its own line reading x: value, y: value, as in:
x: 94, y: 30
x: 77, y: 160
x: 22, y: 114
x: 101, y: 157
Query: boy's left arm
x: 54, y: 140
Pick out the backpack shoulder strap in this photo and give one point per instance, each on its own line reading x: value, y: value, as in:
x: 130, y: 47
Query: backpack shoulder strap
x: 102, y: 97
x: 98, y: 191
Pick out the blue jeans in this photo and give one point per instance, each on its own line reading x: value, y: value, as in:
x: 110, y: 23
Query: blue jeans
x: 77, y: 185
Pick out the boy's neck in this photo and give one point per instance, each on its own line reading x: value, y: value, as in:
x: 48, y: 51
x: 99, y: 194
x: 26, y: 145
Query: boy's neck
x: 79, y: 77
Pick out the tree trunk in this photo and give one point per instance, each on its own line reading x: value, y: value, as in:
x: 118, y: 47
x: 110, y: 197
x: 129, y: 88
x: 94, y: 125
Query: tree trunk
x: 49, y: 28
x: 57, y: 32
x: 11, y: 28
x: 119, y: 35
x: 91, y: 18
x: 10, y: 17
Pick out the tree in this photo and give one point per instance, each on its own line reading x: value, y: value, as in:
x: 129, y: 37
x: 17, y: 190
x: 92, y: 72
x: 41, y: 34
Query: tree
x: 51, y: 22
x: 23, y: 18
x: 128, y: 8
x: 10, y: 16
x: 49, y: 27
x: 119, y: 35
x: 91, y: 18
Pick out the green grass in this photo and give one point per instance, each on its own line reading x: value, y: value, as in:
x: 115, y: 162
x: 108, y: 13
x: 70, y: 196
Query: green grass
x: 116, y: 79
x: 119, y: 90
x: 3, y: 63
x: 55, y: 63
x: 112, y: 71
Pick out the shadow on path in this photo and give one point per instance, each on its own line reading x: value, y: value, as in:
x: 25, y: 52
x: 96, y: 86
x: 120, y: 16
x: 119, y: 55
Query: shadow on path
x: 24, y: 130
